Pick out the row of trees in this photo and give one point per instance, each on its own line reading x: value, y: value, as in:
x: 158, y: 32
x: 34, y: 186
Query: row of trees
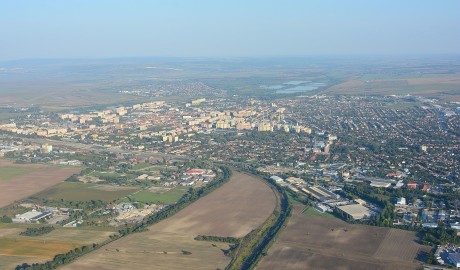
x: 37, y: 231
x: 59, y: 260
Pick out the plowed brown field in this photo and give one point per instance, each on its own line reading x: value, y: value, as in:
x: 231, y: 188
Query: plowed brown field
x: 312, y: 242
x: 24, y: 185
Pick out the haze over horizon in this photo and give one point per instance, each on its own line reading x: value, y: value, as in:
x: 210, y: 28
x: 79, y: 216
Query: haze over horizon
x: 113, y: 29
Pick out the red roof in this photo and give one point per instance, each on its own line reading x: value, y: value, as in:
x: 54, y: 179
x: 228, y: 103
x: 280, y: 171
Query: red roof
x: 194, y: 171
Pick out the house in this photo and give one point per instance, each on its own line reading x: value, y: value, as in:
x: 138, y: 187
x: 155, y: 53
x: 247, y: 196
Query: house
x: 412, y: 185
x: 426, y: 187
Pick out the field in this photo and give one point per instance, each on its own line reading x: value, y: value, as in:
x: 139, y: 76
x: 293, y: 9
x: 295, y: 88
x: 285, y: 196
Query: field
x: 313, y: 242
x: 160, y: 195
x: 85, y: 192
x: 23, y: 180
x: 234, y: 209
x: 17, y: 249
x: 442, y: 87
x: 10, y: 172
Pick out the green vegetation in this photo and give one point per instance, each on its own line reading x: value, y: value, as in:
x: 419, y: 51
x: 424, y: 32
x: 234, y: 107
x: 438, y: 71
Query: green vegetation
x: 310, y: 211
x: 166, y: 197
x: 37, y: 231
x: 232, y: 240
x: 69, y: 191
x: 5, y: 219
x: 10, y: 172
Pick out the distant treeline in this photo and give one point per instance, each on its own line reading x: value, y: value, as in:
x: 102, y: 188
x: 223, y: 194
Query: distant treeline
x: 37, y: 231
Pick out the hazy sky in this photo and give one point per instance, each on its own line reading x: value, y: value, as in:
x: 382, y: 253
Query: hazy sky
x: 99, y: 28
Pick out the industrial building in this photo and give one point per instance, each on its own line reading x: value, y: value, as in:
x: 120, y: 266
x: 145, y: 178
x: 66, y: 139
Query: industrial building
x: 31, y: 216
x: 356, y: 211
x: 454, y: 258
x: 319, y: 193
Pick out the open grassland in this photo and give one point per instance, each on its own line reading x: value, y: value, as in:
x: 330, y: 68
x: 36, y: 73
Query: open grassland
x: 29, y: 179
x: 442, y: 87
x: 160, y: 196
x: 234, y: 209
x: 85, y: 192
x: 311, y: 211
x: 312, y: 242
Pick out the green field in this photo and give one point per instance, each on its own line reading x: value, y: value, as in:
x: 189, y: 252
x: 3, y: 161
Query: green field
x: 310, y: 211
x: 85, y: 192
x: 141, y: 166
x: 166, y: 197
x: 10, y: 172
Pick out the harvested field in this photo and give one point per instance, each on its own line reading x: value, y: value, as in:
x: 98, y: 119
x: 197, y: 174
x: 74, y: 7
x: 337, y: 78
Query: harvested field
x: 312, y: 242
x: 34, y: 248
x: 17, y: 249
x: 10, y: 262
x: 31, y: 179
x: 234, y: 209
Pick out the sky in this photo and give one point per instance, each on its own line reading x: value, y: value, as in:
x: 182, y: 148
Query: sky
x: 233, y: 28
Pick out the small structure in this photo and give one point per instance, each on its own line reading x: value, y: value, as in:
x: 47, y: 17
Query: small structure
x: 321, y: 207
x: 401, y: 201
x: 412, y: 185
x: 277, y: 179
x: 31, y: 216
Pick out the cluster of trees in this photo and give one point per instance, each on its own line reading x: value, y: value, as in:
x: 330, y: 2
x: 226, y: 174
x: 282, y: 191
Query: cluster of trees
x: 59, y: 260
x: 5, y: 219
x: 37, y: 231
x: 440, y: 235
x: 231, y: 240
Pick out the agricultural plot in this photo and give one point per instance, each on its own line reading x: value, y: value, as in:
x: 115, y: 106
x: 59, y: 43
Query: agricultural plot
x: 234, y: 209
x: 443, y: 87
x: 85, y: 192
x: 10, y: 172
x: 313, y: 242
x: 21, y: 181
x: 159, y: 195
x: 17, y: 249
